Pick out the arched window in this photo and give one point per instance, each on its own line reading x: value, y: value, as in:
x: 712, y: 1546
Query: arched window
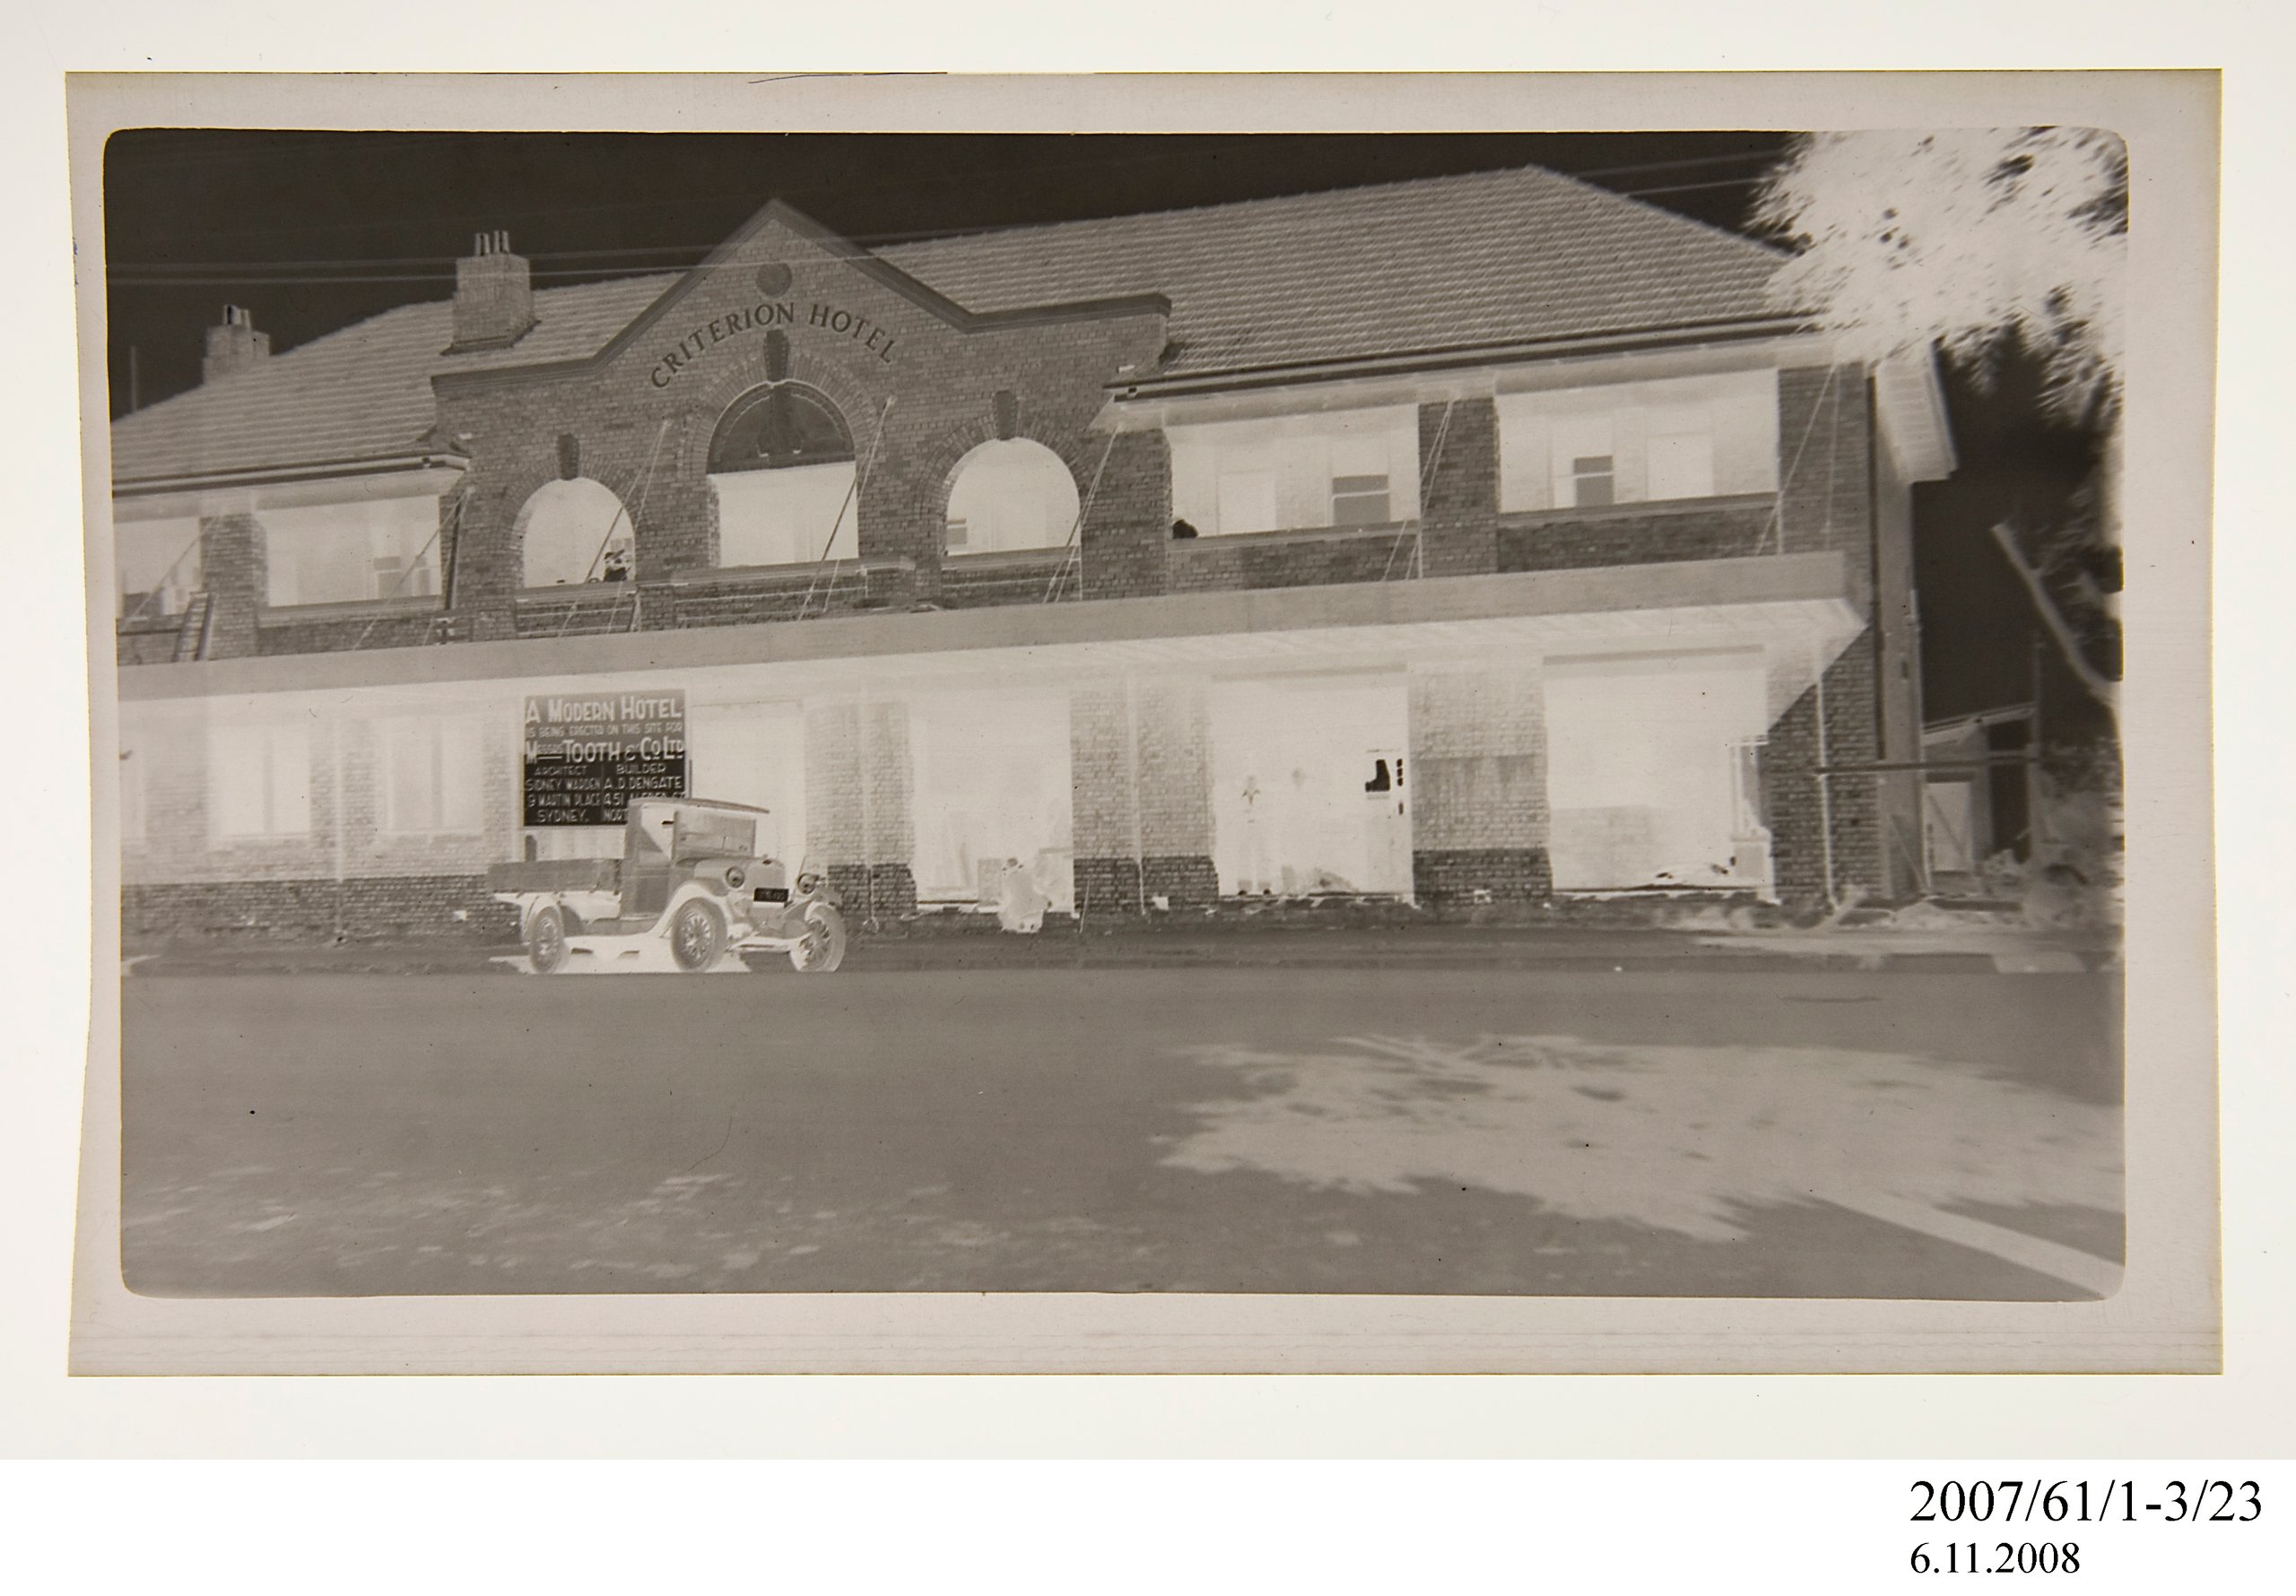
x: 1011, y: 494
x: 781, y: 462
x: 575, y: 530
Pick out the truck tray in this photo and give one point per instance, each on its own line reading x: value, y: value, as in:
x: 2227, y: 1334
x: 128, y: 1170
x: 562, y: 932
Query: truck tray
x: 555, y: 875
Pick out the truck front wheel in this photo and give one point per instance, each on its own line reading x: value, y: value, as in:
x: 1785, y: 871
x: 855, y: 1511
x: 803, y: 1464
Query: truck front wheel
x: 697, y: 935
x: 546, y: 940
x: 823, y: 947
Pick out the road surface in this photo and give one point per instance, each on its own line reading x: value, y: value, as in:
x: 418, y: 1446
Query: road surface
x: 1723, y: 1131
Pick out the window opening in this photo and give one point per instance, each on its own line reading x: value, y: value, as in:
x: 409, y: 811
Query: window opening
x: 260, y: 780
x: 782, y: 463
x: 1592, y: 480
x: 1009, y: 494
x: 1360, y: 501
x: 434, y: 777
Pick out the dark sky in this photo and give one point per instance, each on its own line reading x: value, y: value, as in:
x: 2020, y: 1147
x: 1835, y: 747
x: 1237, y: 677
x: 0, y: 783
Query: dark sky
x: 314, y: 231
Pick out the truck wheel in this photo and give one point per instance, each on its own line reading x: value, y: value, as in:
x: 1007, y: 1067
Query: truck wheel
x: 546, y: 940
x: 697, y: 935
x: 823, y: 949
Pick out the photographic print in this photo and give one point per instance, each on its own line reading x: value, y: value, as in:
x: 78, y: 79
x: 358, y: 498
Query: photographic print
x: 1500, y: 723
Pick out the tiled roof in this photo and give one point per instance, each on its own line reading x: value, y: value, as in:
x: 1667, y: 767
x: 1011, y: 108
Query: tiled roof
x: 363, y: 393
x: 1446, y: 263
x: 1468, y: 261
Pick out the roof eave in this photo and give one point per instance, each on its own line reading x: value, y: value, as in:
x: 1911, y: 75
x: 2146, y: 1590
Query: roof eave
x: 1242, y: 379
x: 1915, y: 422
x: 260, y: 476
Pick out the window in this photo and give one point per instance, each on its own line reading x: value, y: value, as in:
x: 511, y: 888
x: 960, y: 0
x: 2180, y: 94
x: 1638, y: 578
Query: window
x: 259, y: 780
x: 570, y: 531
x: 1011, y: 494
x: 1586, y: 469
x: 341, y: 553
x: 1594, y: 479
x: 157, y: 564
x: 1246, y: 502
x: 1359, y: 500
x: 431, y: 776
x: 782, y: 463
x: 1675, y: 438
x: 1653, y: 770
x: 796, y: 517
x: 1342, y: 468
x: 1359, y: 482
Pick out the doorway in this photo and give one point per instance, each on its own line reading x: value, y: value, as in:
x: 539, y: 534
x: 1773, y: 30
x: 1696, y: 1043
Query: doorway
x: 1653, y: 774
x: 1311, y: 785
x: 993, y: 795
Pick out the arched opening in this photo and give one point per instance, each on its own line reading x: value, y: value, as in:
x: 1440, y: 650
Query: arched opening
x: 573, y: 531
x: 781, y: 463
x: 1011, y: 494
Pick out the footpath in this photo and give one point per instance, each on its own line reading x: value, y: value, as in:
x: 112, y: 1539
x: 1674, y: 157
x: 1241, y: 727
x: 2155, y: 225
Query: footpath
x: 953, y: 943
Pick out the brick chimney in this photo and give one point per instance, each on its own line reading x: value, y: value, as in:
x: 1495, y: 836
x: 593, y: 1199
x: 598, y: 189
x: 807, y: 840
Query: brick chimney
x: 234, y: 346
x: 494, y: 295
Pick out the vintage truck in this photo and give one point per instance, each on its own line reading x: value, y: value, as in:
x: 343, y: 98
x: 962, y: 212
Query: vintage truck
x: 691, y: 888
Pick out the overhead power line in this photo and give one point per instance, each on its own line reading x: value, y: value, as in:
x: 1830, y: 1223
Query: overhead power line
x: 669, y: 259
x: 1195, y: 151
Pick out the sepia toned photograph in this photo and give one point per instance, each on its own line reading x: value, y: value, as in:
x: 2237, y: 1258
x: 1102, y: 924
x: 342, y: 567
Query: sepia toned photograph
x: 852, y: 713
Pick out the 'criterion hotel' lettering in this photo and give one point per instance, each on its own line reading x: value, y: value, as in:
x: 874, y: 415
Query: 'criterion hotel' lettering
x: 771, y: 313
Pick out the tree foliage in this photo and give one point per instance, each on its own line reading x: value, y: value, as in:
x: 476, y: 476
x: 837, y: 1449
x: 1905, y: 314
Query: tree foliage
x: 1969, y: 239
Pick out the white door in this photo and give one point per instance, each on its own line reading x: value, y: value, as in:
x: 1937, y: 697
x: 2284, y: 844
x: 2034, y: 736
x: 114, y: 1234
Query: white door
x: 1643, y: 779
x: 1386, y: 820
x: 1948, y: 810
x: 755, y: 754
x: 1309, y: 788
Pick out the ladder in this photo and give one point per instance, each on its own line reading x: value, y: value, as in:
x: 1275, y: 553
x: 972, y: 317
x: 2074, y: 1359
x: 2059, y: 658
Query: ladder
x: 197, y: 624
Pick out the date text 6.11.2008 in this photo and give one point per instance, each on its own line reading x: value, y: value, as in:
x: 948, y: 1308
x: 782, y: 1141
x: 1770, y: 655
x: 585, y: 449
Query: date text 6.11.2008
x: 1970, y: 1556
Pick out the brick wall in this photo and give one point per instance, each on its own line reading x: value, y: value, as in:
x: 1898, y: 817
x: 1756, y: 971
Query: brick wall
x: 310, y: 911
x: 858, y: 789
x: 1129, y: 522
x: 1102, y: 826
x: 1459, y: 501
x: 1635, y: 535
x: 1826, y: 501
x: 340, y: 633
x: 234, y: 565
x: 1140, y: 762
x: 976, y: 581
x: 1478, y: 784
x: 917, y: 400
x: 749, y: 597
x: 1289, y: 559
x: 1175, y: 769
x: 1793, y: 805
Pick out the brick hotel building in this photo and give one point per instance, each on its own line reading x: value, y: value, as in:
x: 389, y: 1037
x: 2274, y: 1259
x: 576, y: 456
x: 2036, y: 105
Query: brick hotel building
x: 1482, y: 538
